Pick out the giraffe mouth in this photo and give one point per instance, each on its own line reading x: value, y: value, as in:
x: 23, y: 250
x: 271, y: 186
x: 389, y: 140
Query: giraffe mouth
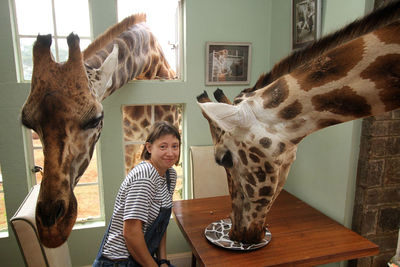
x: 254, y: 234
x: 54, y: 221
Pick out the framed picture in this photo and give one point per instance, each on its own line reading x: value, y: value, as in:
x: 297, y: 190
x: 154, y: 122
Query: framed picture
x: 228, y: 63
x: 306, y: 22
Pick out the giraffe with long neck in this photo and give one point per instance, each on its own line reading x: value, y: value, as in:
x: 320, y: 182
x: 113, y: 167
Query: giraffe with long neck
x: 256, y: 138
x: 64, y: 109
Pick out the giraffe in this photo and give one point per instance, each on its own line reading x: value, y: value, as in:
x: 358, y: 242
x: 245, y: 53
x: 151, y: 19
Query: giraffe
x: 350, y: 74
x: 64, y: 109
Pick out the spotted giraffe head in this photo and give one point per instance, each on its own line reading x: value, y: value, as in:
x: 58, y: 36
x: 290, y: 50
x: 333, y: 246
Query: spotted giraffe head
x: 66, y: 113
x: 256, y: 161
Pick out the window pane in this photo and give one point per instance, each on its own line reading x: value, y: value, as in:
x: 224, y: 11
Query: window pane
x: 137, y: 121
x: 34, y: 17
x: 26, y: 45
x: 88, y: 202
x: 63, y: 47
x: 72, y: 16
x: 161, y: 18
x: 3, y: 216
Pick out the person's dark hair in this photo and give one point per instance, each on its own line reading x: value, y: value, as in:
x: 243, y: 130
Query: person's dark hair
x: 159, y: 129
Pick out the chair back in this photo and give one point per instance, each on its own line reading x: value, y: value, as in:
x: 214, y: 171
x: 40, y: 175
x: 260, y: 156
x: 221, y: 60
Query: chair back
x: 208, y: 178
x: 24, y: 226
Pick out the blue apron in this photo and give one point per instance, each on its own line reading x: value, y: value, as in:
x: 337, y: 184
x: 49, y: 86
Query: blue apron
x: 153, y: 237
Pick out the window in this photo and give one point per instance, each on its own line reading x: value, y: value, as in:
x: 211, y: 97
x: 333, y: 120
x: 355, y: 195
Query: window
x: 3, y: 216
x: 163, y: 18
x: 86, y: 191
x: 136, y: 128
x: 54, y: 17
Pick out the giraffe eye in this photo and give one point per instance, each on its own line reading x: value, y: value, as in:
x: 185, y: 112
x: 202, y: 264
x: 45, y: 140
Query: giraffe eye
x: 93, y: 123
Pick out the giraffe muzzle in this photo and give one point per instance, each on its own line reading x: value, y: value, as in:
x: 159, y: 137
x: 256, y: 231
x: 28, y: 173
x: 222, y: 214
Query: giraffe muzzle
x: 54, y: 221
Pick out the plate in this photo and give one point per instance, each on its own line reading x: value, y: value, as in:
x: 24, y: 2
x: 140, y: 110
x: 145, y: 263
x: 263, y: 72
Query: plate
x: 218, y: 234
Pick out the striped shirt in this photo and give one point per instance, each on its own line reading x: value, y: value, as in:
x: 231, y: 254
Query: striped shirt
x: 141, y: 195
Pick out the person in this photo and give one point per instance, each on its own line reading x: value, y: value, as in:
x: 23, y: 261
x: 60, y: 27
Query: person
x: 137, y: 229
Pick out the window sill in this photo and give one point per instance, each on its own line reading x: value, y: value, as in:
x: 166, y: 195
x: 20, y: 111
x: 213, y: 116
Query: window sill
x: 90, y: 224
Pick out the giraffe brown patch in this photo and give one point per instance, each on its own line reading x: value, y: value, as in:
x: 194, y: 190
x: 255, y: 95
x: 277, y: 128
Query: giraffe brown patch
x: 291, y: 111
x: 265, y: 142
x: 249, y: 190
x: 265, y: 191
x: 144, y: 123
x: 246, y: 206
x: 243, y: 157
x: 257, y: 151
x: 272, y: 179
x: 261, y: 175
x: 268, y: 167
x: 329, y: 67
x: 254, y: 215
x: 169, y: 118
x: 389, y: 34
x: 250, y: 179
x: 327, y: 122
x: 385, y: 73
x: 275, y: 94
x: 254, y: 158
x: 342, y: 101
x: 281, y: 148
x: 263, y: 202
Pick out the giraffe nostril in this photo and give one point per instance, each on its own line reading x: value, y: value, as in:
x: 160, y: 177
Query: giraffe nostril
x: 49, y: 214
x: 226, y: 160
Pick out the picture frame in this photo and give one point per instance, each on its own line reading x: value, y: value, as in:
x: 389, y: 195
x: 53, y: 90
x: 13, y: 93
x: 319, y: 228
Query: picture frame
x: 306, y: 22
x: 228, y: 63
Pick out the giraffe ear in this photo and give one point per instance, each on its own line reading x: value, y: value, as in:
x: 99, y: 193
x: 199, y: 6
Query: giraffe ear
x: 228, y: 117
x: 105, y: 73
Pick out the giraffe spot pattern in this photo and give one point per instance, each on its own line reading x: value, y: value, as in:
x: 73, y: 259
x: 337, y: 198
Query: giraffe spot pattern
x: 265, y: 142
x: 250, y: 179
x: 243, y: 157
x: 257, y: 151
x: 342, y: 101
x: 275, y: 94
x: 385, y: 73
x: 329, y: 67
x: 254, y: 158
x: 249, y: 190
x: 261, y: 175
x: 265, y: 191
x: 389, y: 34
x: 291, y: 111
x: 268, y: 167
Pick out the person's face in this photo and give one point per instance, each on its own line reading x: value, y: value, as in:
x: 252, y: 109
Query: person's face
x: 164, y: 152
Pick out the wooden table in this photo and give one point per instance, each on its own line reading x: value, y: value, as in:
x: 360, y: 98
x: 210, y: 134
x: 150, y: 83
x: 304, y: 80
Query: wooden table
x: 301, y: 235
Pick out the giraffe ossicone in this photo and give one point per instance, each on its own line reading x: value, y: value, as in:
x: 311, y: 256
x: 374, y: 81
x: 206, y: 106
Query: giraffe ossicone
x: 64, y: 108
x: 350, y: 74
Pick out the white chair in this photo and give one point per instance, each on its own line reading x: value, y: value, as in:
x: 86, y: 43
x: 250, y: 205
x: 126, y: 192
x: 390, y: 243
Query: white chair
x: 208, y: 178
x: 24, y: 226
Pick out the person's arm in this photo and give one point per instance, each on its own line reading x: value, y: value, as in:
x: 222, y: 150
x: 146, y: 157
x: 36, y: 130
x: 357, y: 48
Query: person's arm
x: 162, y: 249
x: 134, y: 240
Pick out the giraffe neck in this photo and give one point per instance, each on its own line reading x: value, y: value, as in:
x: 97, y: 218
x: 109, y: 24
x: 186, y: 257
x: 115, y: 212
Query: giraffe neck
x: 139, y: 57
x: 359, y: 27
x: 355, y: 80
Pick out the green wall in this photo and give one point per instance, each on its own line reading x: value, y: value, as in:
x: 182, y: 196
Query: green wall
x: 323, y: 174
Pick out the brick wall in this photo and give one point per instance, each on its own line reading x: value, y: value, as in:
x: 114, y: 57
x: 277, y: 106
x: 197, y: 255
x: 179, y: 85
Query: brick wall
x: 376, y: 213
